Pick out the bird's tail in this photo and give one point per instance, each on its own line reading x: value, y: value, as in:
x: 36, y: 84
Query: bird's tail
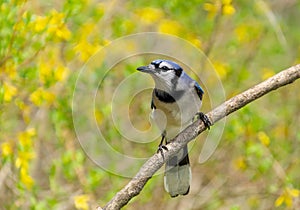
x: 178, y: 176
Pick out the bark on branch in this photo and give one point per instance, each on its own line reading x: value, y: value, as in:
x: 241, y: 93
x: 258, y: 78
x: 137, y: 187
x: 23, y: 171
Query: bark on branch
x: 154, y: 163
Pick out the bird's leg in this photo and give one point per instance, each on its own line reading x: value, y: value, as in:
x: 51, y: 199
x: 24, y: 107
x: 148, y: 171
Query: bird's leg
x: 161, y: 145
x: 204, y: 119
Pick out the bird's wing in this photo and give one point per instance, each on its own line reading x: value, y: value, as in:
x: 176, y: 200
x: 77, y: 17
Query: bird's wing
x: 152, y: 105
x: 199, y: 90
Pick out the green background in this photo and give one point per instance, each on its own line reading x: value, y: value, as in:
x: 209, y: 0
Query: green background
x: 42, y: 49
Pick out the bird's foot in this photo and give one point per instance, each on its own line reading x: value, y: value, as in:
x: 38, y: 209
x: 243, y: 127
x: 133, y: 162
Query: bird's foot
x: 161, y: 149
x: 204, y: 119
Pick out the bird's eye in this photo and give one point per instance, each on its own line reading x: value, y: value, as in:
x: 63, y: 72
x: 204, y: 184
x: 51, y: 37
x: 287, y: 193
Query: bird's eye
x: 164, y: 68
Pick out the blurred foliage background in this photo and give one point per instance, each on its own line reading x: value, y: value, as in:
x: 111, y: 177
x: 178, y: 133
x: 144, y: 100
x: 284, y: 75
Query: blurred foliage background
x: 45, y: 43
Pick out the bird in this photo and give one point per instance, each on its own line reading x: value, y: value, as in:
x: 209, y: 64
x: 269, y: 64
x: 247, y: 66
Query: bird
x: 176, y: 100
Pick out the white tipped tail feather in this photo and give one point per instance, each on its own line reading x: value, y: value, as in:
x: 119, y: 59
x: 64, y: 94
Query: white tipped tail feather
x: 178, y: 174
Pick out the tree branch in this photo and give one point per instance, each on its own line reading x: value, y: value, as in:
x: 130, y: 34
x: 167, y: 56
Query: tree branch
x: 154, y: 163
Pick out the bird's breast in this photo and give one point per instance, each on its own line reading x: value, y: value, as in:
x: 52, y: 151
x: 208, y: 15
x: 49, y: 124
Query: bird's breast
x: 178, y: 112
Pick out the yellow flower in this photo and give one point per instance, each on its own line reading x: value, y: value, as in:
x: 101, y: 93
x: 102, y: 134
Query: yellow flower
x: 248, y: 32
x: 227, y: 9
x: 87, y: 28
x: 26, y: 179
x: 49, y: 71
x: 240, y: 163
x: 85, y: 49
x: 23, y: 159
x: 242, y: 33
x: 195, y: 41
x: 36, y: 97
x: 31, y: 132
x: 81, y: 202
x: 99, y: 117
x: 129, y: 26
x: 48, y: 97
x: 61, y: 72
x: 40, y: 95
x: 293, y: 192
x: 10, y: 70
x: 63, y: 32
x: 6, y: 149
x: 40, y: 23
x: 263, y: 138
x: 287, y: 197
x: 170, y: 27
x: 60, y: 31
x: 25, y: 110
x: 211, y: 8
x: 267, y: 73
x: 56, y: 17
x: 83, y: 46
x: 215, y: 6
x: 25, y: 137
x: 9, y: 91
x: 150, y: 15
x: 57, y: 26
x: 106, y: 42
x: 45, y: 71
x: 221, y: 68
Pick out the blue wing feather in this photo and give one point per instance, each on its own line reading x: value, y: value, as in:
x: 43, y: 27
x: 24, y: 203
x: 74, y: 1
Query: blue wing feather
x: 199, y: 90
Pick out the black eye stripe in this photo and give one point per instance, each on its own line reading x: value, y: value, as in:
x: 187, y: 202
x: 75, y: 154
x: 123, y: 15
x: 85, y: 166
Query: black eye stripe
x: 178, y: 72
x: 165, y: 68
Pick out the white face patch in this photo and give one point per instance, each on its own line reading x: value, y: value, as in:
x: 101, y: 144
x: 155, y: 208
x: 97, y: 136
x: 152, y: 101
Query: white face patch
x: 163, y: 80
x: 165, y: 70
x: 165, y: 65
x: 165, y: 74
x: 151, y: 66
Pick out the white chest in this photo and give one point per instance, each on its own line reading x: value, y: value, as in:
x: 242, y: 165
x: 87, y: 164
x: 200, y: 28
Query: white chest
x: 174, y: 117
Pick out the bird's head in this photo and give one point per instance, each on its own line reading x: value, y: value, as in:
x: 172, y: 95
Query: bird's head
x: 164, y: 72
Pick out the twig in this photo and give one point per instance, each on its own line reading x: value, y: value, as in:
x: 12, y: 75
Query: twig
x: 154, y: 163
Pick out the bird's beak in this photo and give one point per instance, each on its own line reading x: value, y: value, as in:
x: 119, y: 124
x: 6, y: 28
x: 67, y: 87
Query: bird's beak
x: 146, y: 69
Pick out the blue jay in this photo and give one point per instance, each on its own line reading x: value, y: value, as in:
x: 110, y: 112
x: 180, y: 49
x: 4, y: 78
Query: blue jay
x: 176, y: 100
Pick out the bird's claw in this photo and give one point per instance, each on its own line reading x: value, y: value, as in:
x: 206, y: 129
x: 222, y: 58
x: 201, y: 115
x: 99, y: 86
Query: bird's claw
x: 204, y: 119
x: 161, y: 149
